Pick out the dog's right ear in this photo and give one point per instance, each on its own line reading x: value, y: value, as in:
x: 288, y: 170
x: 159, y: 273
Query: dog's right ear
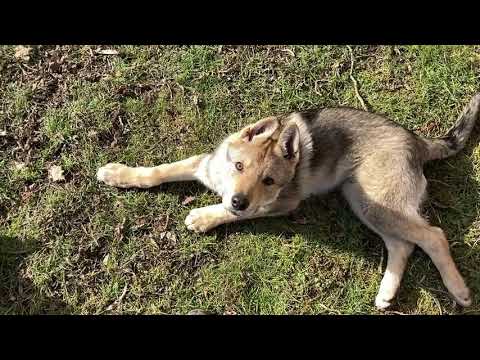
x: 289, y: 142
x: 261, y: 130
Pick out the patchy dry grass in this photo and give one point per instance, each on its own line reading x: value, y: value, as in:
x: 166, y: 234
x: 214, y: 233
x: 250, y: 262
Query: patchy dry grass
x: 81, y: 247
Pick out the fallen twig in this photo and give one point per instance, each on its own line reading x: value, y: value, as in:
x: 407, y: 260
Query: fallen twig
x: 119, y: 300
x: 355, y: 83
x: 395, y: 312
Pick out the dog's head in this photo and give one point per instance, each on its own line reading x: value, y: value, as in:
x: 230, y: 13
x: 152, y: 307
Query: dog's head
x: 260, y: 160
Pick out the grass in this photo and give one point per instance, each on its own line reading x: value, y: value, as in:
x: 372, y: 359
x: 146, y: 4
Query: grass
x: 79, y: 247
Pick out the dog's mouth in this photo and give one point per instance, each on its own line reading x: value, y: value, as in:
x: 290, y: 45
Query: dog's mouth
x: 234, y: 212
x: 241, y: 213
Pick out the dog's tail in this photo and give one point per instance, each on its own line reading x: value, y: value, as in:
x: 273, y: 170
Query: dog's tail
x: 457, y: 136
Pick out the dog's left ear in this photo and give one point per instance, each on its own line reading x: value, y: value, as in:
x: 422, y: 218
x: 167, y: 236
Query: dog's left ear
x: 289, y: 142
x: 261, y: 130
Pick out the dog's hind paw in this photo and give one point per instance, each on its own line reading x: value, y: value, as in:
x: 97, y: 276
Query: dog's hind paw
x: 463, y: 297
x: 382, y: 304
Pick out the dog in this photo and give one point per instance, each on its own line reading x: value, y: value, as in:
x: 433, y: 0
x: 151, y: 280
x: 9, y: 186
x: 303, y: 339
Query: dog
x: 269, y: 167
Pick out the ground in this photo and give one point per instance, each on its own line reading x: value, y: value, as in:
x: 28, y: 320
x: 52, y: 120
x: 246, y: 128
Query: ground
x: 76, y: 246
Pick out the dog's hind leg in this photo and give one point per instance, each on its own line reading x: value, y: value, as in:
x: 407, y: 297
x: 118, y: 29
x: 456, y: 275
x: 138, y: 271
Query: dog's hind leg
x: 392, y: 212
x: 123, y: 176
x: 398, y: 250
x: 398, y: 254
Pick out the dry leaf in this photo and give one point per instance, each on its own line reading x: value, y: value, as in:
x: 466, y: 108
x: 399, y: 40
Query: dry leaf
x: 28, y: 192
x: 230, y: 312
x: 289, y: 51
x: 168, y: 235
x: 118, y: 232
x: 92, y: 134
x: 188, y: 200
x: 107, y: 52
x: 105, y: 259
x: 139, y: 223
x: 161, y: 223
x: 22, y: 52
x: 3, y: 133
x: 55, y: 173
x: 197, y: 312
x: 154, y: 243
x: 19, y: 165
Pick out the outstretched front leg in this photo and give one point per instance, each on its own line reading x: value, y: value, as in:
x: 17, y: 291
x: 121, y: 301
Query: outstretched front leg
x: 123, y: 176
x: 206, y: 218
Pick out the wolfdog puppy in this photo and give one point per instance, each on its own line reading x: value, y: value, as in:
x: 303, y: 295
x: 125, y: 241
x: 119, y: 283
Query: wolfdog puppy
x: 269, y: 167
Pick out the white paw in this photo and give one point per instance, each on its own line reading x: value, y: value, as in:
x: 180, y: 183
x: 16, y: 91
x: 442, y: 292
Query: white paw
x: 111, y: 174
x: 200, y: 221
x: 381, y: 303
x: 463, y: 297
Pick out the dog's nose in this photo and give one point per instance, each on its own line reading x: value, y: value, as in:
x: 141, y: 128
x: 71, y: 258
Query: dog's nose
x: 239, y: 202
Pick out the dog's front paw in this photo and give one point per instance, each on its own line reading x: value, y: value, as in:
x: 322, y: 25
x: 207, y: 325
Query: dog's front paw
x: 113, y: 174
x: 200, y: 220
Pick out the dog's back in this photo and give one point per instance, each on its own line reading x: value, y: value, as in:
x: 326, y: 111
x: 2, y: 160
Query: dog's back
x: 341, y: 130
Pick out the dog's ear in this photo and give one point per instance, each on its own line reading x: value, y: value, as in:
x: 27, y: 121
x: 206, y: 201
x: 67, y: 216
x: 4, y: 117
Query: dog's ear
x: 289, y: 142
x: 261, y: 130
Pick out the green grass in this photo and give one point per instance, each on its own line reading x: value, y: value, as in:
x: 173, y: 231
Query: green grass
x: 80, y: 247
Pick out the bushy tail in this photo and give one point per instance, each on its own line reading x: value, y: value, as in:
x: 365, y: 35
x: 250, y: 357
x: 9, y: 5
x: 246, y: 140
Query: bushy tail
x: 457, y: 136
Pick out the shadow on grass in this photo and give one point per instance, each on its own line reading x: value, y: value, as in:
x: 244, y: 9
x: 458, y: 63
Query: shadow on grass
x: 18, y: 295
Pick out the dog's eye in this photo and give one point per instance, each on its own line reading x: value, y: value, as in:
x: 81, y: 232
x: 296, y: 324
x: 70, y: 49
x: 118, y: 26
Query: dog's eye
x: 268, y: 181
x: 239, y: 166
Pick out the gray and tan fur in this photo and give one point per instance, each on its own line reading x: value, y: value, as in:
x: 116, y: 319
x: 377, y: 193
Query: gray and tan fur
x: 268, y: 168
